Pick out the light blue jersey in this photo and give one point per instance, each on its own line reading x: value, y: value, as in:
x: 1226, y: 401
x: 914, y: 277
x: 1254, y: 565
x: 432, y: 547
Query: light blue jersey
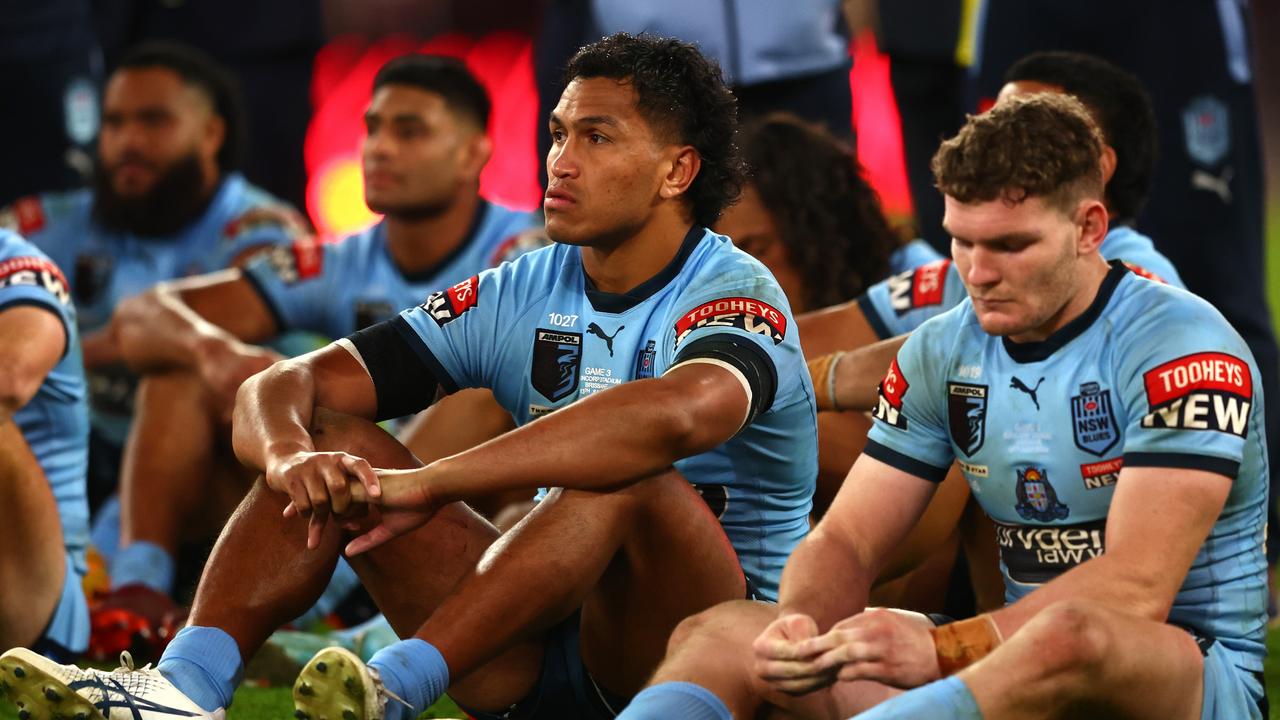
x: 899, y: 304
x: 541, y: 336
x: 337, y: 288
x: 911, y: 256
x: 55, y: 422
x: 1148, y: 376
x: 105, y: 267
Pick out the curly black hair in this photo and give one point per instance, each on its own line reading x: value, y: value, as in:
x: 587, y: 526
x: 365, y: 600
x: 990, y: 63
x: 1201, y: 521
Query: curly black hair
x: 681, y: 93
x: 829, y: 218
x: 1120, y: 106
x: 203, y: 73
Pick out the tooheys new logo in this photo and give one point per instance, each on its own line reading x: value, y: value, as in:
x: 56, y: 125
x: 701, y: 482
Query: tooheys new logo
x: 446, y: 305
x: 920, y: 287
x: 1204, y: 391
x: 892, y: 389
x: 747, y: 314
x: 35, y: 272
x: 302, y: 260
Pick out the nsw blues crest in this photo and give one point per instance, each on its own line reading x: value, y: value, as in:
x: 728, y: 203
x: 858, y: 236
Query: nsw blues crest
x: 1093, y: 420
x: 1037, y: 500
x: 556, y: 357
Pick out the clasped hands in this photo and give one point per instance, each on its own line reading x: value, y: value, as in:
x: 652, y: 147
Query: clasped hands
x: 377, y: 504
x: 894, y: 647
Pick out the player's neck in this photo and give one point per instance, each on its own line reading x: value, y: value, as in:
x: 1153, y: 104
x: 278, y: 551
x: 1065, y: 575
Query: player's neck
x: 1091, y: 277
x: 617, y: 268
x: 417, y: 244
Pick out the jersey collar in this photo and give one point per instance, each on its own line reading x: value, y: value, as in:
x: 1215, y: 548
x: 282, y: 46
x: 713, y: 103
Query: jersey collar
x: 621, y: 302
x: 1029, y: 352
x: 429, y: 274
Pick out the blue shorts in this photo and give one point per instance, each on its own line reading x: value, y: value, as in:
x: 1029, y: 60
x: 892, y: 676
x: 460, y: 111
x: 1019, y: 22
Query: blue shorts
x: 67, y: 634
x: 564, y: 689
x: 1230, y: 691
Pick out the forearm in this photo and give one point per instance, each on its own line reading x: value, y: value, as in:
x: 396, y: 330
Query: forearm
x: 826, y: 579
x: 1107, y: 581
x: 100, y: 348
x: 859, y: 372
x: 157, y: 330
x: 620, y: 436
x: 273, y: 413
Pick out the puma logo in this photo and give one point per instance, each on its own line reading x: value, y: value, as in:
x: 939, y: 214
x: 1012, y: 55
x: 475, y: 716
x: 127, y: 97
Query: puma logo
x: 1220, y: 186
x: 594, y: 329
x: 1019, y: 385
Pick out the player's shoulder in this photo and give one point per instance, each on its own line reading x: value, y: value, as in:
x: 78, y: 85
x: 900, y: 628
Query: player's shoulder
x: 22, y: 263
x: 912, y: 255
x: 1139, y: 253
x: 716, y: 265
x: 1148, y: 311
x: 48, y: 213
x: 14, y: 245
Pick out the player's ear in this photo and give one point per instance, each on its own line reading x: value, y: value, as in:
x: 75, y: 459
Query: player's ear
x: 1093, y: 225
x: 683, y: 168
x: 215, y: 134
x: 1108, y: 163
x: 476, y: 153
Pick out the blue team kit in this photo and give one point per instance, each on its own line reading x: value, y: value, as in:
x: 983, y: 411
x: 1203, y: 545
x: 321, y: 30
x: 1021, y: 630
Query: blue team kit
x: 55, y: 424
x: 540, y: 335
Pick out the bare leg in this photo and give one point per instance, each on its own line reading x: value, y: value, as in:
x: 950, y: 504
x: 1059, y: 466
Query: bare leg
x: 33, y: 562
x: 179, y: 481
x: 637, y: 560
x: 713, y: 649
x: 1079, y: 660
x: 261, y: 575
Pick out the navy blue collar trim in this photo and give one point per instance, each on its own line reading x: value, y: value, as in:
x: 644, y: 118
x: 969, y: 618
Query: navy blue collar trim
x: 621, y: 302
x: 1030, y: 352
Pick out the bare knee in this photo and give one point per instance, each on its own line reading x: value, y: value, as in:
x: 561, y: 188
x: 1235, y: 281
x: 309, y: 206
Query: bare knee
x: 1072, y: 640
x: 333, y: 431
x: 729, y: 627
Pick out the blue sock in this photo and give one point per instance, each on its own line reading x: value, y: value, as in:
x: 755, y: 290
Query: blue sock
x: 415, y: 670
x: 143, y: 563
x: 204, y: 663
x: 947, y: 699
x: 676, y: 700
x: 344, y: 580
x: 104, y: 533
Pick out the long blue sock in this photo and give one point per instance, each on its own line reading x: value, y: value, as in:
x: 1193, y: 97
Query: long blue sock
x: 947, y: 699
x: 143, y: 563
x: 204, y: 663
x: 415, y: 670
x: 676, y: 700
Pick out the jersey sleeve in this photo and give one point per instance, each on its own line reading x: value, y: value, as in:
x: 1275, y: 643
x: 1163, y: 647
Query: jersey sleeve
x: 299, y: 283
x: 28, y: 277
x: 1192, y: 392
x: 901, y: 303
x: 743, y: 324
x: 910, y: 429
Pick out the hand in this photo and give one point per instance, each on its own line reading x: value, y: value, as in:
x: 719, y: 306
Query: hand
x: 405, y: 503
x: 782, y: 663
x: 224, y: 367
x: 893, y: 647
x: 320, y: 482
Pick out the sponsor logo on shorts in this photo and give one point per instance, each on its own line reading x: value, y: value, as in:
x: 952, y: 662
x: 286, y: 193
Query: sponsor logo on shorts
x: 892, y: 389
x: 1035, y: 555
x: 445, y: 306
x: 1037, y: 500
x: 35, y: 272
x: 1203, y: 391
x: 918, y: 288
x: 743, y: 313
x: 1101, y: 474
x: 1093, y: 420
x: 967, y: 416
